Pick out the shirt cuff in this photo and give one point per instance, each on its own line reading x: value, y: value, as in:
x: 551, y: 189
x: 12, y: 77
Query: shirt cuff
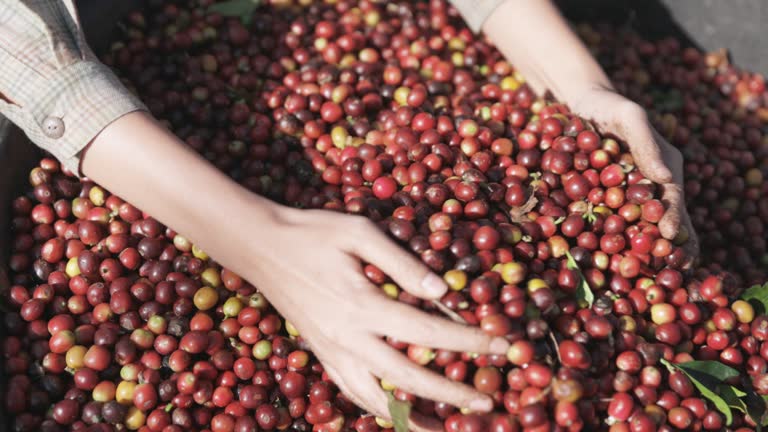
x: 72, y: 107
x: 475, y: 12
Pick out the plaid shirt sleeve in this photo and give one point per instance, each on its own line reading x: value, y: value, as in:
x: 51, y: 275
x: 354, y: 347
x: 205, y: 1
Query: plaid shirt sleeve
x: 475, y: 12
x: 51, y: 84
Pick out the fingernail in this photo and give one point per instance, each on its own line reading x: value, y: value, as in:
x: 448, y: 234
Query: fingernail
x: 433, y: 285
x: 481, y: 405
x: 499, y: 346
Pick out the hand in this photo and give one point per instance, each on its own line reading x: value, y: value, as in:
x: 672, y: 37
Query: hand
x: 657, y: 160
x: 312, y: 275
x: 575, y: 78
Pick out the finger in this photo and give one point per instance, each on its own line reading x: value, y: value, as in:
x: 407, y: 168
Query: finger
x: 672, y: 197
x: 646, y: 147
x: 691, y: 246
x: 392, y: 366
x: 410, y: 273
x: 346, y: 383
x: 364, y: 390
x: 420, y: 328
x: 676, y: 225
x: 351, y: 390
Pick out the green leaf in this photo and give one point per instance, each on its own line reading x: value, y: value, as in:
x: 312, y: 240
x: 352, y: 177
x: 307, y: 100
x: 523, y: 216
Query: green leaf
x: 732, y: 396
x: 583, y: 291
x: 757, y: 296
x: 750, y: 404
x: 745, y: 402
x: 399, y: 411
x: 706, y: 390
x: 737, y: 391
x: 571, y: 262
x: 242, y: 9
x: 709, y: 375
x: 756, y: 408
x: 713, y: 368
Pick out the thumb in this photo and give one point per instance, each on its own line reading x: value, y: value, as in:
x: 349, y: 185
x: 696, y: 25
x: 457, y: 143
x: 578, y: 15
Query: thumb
x: 646, y: 147
x: 405, y: 269
x: 631, y: 122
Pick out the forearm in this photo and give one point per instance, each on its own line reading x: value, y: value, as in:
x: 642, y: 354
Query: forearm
x: 534, y: 37
x: 142, y: 162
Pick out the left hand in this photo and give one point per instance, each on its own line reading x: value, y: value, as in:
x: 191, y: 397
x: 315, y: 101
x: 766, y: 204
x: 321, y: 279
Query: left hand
x: 657, y: 160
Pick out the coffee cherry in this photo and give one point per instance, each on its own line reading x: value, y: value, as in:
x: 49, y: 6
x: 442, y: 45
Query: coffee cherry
x: 398, y: 114
x: 574, y: 355
x: 384, y: 187
x: 621, y: 406
x: 487, y: 380
x: 520, y: 353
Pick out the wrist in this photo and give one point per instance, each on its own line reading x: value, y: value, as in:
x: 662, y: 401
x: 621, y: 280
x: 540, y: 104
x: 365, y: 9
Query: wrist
x: 242, y: 231
x: 576, y: 94
x: 573, y: 87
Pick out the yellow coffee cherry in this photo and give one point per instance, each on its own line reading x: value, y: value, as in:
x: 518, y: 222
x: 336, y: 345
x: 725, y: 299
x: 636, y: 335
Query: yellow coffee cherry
x: 535, y: 284
x: 232, y: 307
x: 96, y: 195
x: 512, y: 272
x: 339, y: 137
x: 124, y: 392
x: 104, y: 391
x: 401, y: 95
x: 205, y: 298
x: 73, y: 268
x: 135, y: 418
x: 391, y: 290
x: 456, y: 279
x: 198, y: 253
x: 744, y: 311
x: 211, y: 277
x: 291, y: 329
x: 387, y: 386
x: 75, y: 357
x: 509, y: 83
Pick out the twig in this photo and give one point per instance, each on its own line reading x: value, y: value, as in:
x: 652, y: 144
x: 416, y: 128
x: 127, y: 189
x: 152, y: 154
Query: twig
x: 448, y: 312
x: 517, y: 214
x: 557, y: 347
x: 542, y: 395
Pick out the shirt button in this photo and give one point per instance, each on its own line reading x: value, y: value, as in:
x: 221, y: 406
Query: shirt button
x: 53, y: 127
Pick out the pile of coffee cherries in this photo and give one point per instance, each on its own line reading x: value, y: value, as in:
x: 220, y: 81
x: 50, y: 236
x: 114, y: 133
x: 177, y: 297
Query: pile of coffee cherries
x: 543, y: 228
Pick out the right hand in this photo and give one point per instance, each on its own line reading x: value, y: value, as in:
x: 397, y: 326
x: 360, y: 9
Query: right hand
x: 310, y: 269
x: 657, y: 159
